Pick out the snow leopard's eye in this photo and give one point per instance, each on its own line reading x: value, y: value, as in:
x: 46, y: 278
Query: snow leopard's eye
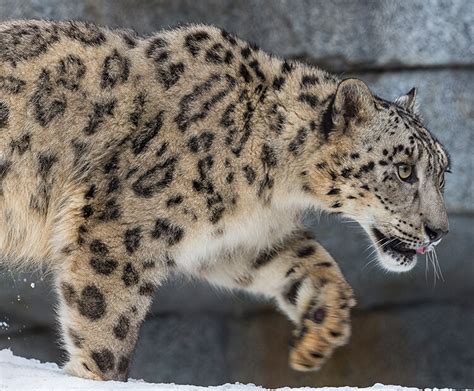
x: 406, y: 172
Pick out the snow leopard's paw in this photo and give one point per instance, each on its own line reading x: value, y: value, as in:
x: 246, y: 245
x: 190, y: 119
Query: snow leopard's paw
x: 79, y: 368
x: 325, y: 325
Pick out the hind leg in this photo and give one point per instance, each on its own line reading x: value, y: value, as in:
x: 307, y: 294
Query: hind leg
x: 308, y: 286
x: 104, y: 297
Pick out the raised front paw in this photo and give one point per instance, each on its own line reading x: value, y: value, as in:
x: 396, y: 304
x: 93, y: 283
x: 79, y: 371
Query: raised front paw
x: 324, y: 326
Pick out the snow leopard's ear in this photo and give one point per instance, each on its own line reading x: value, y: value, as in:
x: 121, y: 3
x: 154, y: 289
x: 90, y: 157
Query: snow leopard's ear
x: 353, y: 104
x: 408, y: 101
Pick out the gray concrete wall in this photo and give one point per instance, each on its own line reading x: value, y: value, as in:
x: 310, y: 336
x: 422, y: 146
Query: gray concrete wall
x: 406, y: 330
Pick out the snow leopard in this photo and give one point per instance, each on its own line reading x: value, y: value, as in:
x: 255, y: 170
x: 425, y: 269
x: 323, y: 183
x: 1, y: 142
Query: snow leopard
x: 125, y: 160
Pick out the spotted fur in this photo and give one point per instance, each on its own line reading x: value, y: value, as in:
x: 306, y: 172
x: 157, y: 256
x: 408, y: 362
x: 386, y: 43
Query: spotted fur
x: 125, y: 158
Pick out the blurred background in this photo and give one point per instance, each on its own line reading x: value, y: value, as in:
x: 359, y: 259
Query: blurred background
x: 407, y: 329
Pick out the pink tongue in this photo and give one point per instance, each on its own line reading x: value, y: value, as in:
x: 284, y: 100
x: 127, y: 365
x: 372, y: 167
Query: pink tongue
x: 421, y: 250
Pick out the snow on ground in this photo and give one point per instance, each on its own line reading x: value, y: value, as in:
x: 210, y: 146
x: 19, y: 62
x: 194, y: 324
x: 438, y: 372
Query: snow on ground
x: 21, y: 374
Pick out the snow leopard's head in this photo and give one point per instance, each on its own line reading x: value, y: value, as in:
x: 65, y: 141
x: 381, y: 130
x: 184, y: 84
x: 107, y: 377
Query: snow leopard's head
x: 386, y: 171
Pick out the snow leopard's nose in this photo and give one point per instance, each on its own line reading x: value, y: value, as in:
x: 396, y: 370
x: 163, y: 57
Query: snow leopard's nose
x: 435, y: 234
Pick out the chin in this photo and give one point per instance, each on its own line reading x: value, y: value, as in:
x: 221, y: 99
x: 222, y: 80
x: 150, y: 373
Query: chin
x: 393, y: 254
x: 397, y: 264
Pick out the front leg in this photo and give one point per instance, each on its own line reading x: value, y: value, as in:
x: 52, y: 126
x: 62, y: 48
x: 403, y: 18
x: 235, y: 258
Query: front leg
x: 308, y: 286
x: 321, y: 299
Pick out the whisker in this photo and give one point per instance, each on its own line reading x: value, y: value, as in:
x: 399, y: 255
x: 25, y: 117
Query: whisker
x: 426, y: 267
x: 439, y: 266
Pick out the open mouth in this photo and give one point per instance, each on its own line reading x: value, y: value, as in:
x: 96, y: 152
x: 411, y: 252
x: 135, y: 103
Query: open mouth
x: 393, y: 244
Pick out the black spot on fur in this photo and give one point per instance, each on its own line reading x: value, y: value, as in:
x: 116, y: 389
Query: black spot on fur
x: 149, y: 264
x: 268, y: 156
x: 324, y: 264
x: 333, y: 191
x: 311, y: 100
x: 173, y: 201
x: 297, y: 143
x: 367, y: 168
x: 229, y: 37
x: 69, y: 293
x: 82, y: 230
x: 130, y: 275
x: 244, y: 72
x: 346, y: 172
x: 145, y: 135
x: 123, y: 364
x: 22, y: 144
x: 355, y: 156
x: 114, y: 185
x: 327, y: 124
x: 169, y: 76
x: 187, y: 107
x: 111, y: 211
x: 201, y: 143
x: 130, y: 38
x: 87, y: 211
x: 45, y: 163
x: 90, y: 194
x: 317, y: 355
x: 86, y: 33
x: 319, y: 315
x: 4, y: 115
x: 104, y: 266
x: 138, y: 109
x: 11, y: 85
x: 233, y: 127
x: 92, y: 303
x: 217, y: 54
x: 286, y: 67
x: 193, y: 41
x: 97, y: 117
x: 204, y: 183
x: 104, y: 359
x: 156, y: 50
x: 216, y: 214
x: 167, y: 231
x: 249, y: 174
x: 246, y: 52
x: 230, y: 177
x: 24, y: 41
x: 48, y: 103
x: 169, y: 261
x: 278, y: 83
x: 265, y: 257
x: 306, y: 251
x: 116, y: 70
x: 70, y: 70
x: 309, y: 80
x: 256, y: 68
x: 292, y: 293
x: 112, y: 165
x: 98, y: 247
x: 122, y: 327
x: 147, y: 289
x: 132, y: 239
x: 155, y: 179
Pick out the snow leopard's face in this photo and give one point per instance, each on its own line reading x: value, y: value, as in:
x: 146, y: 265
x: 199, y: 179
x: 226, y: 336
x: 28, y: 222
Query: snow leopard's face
x: 390, y: 177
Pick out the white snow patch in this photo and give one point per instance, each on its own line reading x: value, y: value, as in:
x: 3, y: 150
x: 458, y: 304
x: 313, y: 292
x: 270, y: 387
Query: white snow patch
x: 21, y: 374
